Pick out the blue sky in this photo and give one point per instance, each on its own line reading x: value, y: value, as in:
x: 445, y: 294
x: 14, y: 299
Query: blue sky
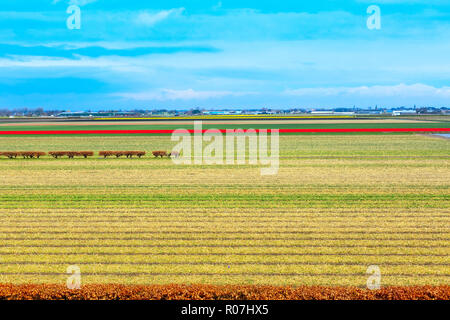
x: 223, y: 54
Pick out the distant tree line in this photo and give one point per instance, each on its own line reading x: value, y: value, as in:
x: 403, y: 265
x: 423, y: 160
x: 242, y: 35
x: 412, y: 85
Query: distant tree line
x: 40, y: 112
x: 26, y: 112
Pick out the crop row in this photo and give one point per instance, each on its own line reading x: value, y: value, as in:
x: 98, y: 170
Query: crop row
x: 211, y: 292
x: 225, y: 260
x: 131, y: 200
x: 247, y: 269
x: 224, y: 250
x: 229, y: 242
x: 85, y: 154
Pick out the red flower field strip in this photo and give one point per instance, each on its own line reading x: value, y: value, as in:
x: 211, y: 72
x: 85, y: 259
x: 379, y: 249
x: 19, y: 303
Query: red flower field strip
x: 368, y: 130
x: 60, y: 132
x: 214, y: 292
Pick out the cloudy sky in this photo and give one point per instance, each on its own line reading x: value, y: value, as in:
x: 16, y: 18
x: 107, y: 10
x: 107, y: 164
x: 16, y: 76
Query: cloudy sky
x: 223, y: 54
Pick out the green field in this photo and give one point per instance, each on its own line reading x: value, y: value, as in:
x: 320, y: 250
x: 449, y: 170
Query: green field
x: 337, y: 205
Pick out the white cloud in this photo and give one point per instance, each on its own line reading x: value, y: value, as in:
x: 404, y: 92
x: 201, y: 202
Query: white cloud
x: 400, y: 90
x: 428, y: 2
x: 76, y: 2
x: 170, y: 94
x: 29, y: 15
x: 151, y: 18
x: 50, y: 62
x: 218, y: 6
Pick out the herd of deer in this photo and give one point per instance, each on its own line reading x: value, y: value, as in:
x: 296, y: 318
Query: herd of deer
x: 85, y: 154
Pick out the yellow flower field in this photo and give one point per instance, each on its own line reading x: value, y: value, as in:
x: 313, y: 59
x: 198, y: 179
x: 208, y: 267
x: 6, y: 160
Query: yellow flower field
x: 337, y: 205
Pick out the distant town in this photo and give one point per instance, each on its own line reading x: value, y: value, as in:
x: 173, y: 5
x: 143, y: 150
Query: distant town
x: 400, y: 111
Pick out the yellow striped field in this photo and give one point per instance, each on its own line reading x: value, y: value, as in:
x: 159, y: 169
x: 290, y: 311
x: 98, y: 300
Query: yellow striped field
x: 338, y: 205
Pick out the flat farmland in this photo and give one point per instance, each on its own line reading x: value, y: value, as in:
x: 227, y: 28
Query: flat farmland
x: 338, y: 204
x: 238, y: 125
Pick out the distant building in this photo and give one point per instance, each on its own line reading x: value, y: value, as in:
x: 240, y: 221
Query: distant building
x: 217, y: 113
x: 404, y: 112
x: 322, y: 112
x: 333, y: 113
x: 83, y: 114
x: 222, y: 112
x: 371, y: 112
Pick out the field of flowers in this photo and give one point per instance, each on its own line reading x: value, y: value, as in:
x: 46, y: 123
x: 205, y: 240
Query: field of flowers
x: 211, y: 292
x: 338, y: 205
